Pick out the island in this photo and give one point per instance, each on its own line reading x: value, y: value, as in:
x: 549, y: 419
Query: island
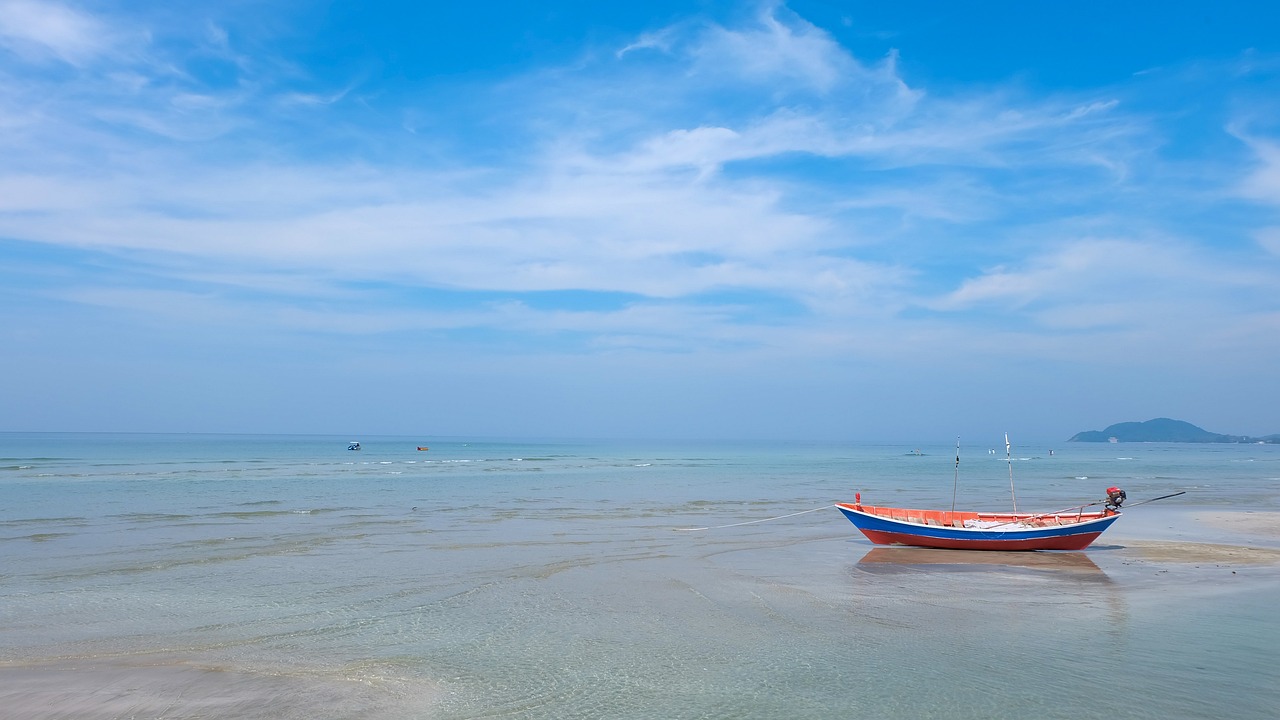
x: 1165, y: 430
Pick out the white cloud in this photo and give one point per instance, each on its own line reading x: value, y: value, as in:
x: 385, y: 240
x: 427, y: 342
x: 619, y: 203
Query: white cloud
x: 1159, y: 292
x: 1269, y: 239
x: 662, y: 40
x: 774, y: 51
x: 585, y: 232
x: 41, y: 31
x: 779, y: 53
x: 298, y: 98
x: 1263, y: 182
x: 1103, y: 270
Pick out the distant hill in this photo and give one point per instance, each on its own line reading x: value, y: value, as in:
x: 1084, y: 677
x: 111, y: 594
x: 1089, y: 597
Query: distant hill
x: 1164, y: 430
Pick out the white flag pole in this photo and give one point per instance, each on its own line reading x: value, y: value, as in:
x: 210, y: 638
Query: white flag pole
x: 1008, y: 456
x: 956, y: 482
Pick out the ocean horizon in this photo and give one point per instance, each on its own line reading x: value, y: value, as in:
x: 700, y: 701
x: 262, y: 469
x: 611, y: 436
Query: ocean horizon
x: 285, y: 576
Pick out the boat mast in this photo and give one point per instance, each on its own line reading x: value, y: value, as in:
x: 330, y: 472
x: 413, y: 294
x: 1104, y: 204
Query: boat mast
x: 956, y: 482
x: 1008, y: 456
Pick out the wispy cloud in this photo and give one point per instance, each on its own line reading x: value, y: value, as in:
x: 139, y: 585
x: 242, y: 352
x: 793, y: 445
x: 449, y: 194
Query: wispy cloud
x: 709, y: 185
x: 621, y: 217
x: 42, y: 32
x: 1263, y: 182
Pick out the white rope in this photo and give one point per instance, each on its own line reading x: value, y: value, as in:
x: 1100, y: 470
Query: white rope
x: 752, y: 522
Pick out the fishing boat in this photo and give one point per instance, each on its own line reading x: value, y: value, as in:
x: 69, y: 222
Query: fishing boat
x: 1069, y: 529
x: 1072, y: 529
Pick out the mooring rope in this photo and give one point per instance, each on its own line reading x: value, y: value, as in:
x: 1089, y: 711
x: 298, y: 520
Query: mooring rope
x: 752, y: 522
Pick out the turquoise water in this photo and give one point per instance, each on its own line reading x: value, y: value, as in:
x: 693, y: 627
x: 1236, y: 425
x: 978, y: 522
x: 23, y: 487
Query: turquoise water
x: 244, y: 577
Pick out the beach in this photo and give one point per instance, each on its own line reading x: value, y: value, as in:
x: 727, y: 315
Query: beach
x: 184, y: 685
x: 563, y: 582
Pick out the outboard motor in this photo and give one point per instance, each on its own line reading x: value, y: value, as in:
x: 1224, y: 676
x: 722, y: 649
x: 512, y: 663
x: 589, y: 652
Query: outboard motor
x: 1115, y: 498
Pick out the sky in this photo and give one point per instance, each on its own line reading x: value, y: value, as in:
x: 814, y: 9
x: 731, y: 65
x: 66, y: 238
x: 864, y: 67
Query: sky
x: 836, y: 221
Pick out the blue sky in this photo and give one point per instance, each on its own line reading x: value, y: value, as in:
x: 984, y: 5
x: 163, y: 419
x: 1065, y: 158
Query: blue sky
x: 862, y: 221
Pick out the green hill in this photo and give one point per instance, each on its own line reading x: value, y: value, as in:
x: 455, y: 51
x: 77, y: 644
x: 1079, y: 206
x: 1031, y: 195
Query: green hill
x: 1164, y: 430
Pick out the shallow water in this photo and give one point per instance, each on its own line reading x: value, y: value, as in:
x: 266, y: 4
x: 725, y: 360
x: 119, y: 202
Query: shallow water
x: 245, y: 577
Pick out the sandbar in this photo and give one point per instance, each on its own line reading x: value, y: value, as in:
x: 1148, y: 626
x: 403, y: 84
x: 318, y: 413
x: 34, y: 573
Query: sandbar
x: 1203, y: 553
x: 1264, y: 523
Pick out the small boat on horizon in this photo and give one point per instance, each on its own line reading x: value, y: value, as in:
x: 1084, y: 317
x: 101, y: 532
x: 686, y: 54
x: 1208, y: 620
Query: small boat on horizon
x: 423, y: 447
x: 353, y: 445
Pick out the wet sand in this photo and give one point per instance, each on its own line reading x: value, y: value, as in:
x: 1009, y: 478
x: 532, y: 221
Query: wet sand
x: 1204, y: 553
x: 109, y: 689
x: 158, y: 686
x: 1227, y: 538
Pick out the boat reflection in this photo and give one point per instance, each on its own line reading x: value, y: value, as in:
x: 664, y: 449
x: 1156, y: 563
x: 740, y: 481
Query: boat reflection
x: 913, y: 559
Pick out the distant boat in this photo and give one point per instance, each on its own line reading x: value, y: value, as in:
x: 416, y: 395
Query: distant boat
x: 423, y: 447
x: 353, y: 446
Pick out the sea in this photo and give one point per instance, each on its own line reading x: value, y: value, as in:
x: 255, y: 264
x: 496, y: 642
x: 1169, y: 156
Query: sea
x: 252, y: 576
